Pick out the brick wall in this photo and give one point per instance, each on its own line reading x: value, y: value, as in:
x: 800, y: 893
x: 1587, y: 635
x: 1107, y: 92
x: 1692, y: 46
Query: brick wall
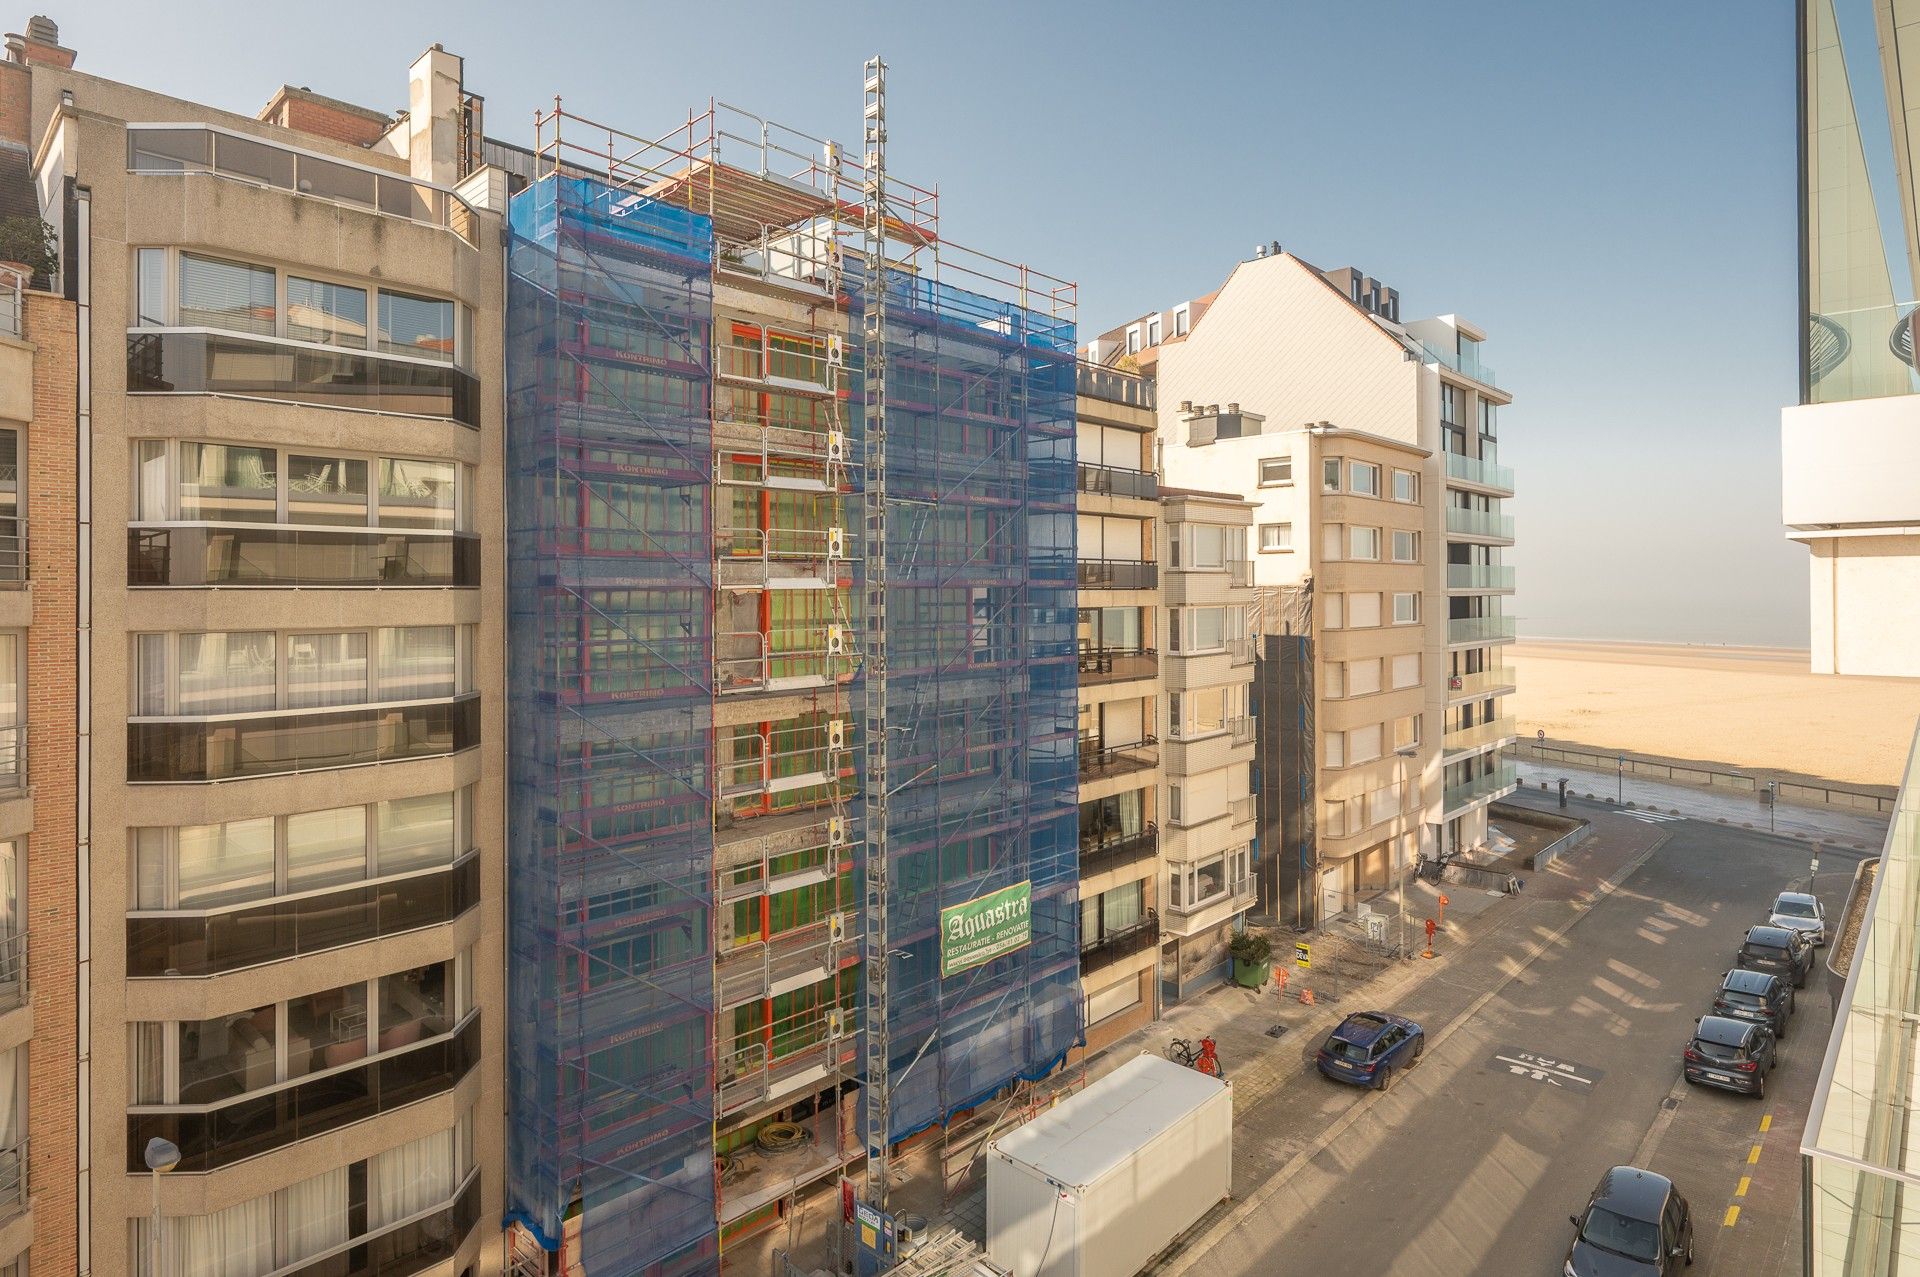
x: 52, y: 888
x: 15, y: 103
x: 306, y: 116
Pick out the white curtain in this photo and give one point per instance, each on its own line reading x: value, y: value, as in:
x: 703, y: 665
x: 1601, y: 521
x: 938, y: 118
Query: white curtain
x: 407, y: 1180
x: 235, y: 1242
x: 416, y: 663
x: 315, y: 1213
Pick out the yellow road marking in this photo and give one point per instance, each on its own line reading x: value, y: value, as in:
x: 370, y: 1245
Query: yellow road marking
x: 1733, y: 1213
x: 1754, y: 1155
x: 1766, y: 1123
x: 1741, y: 1191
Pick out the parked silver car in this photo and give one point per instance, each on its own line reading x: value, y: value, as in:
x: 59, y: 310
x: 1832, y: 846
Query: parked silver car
x: 1799, y: 911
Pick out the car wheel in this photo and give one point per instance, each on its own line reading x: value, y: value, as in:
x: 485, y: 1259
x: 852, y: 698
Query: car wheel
x: 1689, y: 1248
x: 1760, y: 1087
x: 1800, y: 981
x: 1419, y: 1047
x: 1385, y: 1081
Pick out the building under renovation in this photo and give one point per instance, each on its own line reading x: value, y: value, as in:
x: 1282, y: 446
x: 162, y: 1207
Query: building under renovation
x: 792, y: 839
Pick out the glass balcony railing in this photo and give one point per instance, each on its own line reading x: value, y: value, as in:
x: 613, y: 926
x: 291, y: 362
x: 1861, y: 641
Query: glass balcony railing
x: 1479, y: 523
x: 1118, y: 481
x: 229, y: 555
x: 1479, y: 736
x: 275, y: 742
x: 414, y: 1245
x: 1114, y: 386
x: 1490, y: 577
x: 179, y: 150
x: 1498, y: 781
x: 1099, y: 759
x: 1486, y: 474
x: 1481, y: 682
x: 202, y: 361
x: 210, y: 1136
x: 208, y: 942
x: 1103, y: 952
x: 1118, y: 574
x: 1117, y: 664
x: 1480, y: 629
x: 1467, y: 365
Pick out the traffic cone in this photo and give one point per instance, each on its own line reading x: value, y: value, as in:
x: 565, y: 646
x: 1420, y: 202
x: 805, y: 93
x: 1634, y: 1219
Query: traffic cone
x: 1280, y: 978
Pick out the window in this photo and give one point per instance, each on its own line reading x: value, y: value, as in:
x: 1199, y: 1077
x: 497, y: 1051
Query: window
x: 1363, y: 479
x: 195, y: 675
x: 1180, y: 320
x: 1276, y: 538
x: 211, y: 866
x: 1406, y: 546
x: 1406, y: 486
x: 327, y: 490
x: 1363, y: 677
x: 1206, y: 545
x: 1363, y: 744
x: 1363, y: 543
x: 1133, y: 340
x: 1276, y: 471
x: 1333, y: 542
x: 1336, y: 681
x: 1153, y: 331
x: 150, y: 288
x: 233, y: 483
x: 1335, y: 619
x: 1209, y: 628
x: 1406, y: 670
x: 1449, y: 404
x: 1336, y: 749
x: 233, y: 296
x: 1406, y: 731
x: 1363, y: 611
x: 1330, y: 475
x: 417, y: 326
x: 1489, y: 423
x: 1406, y: 609
x: 331, y: 314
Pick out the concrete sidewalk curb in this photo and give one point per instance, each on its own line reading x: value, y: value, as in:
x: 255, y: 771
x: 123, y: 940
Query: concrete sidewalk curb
x: 1195, y: 1248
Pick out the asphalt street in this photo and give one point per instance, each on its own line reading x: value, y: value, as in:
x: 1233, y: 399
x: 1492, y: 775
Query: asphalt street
x: 1473, y: 1162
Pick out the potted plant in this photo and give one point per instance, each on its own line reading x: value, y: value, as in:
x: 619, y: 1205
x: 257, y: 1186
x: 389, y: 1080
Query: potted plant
x: 1252, y: 959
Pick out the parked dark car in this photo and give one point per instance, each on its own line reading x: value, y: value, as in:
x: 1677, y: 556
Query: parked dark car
x: 1787, y: 954
x: 1759, y: 996
x: 1799, y: 911
x: 1735, y: 1055
x: 1370, y: 1047
x: 1636, y: 1224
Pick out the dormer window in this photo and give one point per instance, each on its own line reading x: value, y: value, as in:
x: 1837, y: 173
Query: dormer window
x: 1133, y: 340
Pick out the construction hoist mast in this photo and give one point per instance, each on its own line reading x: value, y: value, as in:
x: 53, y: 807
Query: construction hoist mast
x: 878, y: 965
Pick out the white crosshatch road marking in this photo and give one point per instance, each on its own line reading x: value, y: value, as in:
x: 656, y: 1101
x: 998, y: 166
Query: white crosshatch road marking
x: 1545, y: 1068
x: 1650, y: 817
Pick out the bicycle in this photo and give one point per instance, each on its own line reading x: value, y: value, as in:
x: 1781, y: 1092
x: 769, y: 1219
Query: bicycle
x: 1204, y: 1059
x: 1181, y: 1051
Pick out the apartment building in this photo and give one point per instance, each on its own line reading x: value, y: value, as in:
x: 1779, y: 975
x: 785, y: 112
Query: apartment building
x: 277, y: 481
x: 1377, y: 534
x: 1207, y: 847
x: 1122, y: 664
x: 39, y: 364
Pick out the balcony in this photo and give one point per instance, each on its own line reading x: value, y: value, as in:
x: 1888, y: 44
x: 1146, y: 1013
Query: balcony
x: 1113, y: 385
x: 1240, y: 651
x: 1118, y: 574
x: 1215, y: 909
x: 1483, y: 524
x: 200, y: 555
x: 1480, y: 474
x: 1105, y: 853
x: 276, y: 742
x: 225, y: 1132
x: 1118, y: 945
x: 1465, y: 740
x: 205, y: 361
x: 1465, y: 365
x: 1487, y: 682
x: 211, y: 941
x: 412, y: 1246
x: 1480, y: 629
x: 182, y: 150
x: 1099, y: 761
x: 13, y: 970
x: 1480, y: 578
x: 1240, y: 810
x: 13, y: 549
x: 13, y: 757
x: 13, y: 293
x: 1239, y: 573
x: 1117, y: 481
x: 1492, y: 785
x: 1117, y: 664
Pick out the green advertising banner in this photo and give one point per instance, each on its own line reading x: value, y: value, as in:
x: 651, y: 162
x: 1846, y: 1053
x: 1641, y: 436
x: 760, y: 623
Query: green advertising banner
x: 983, y: 929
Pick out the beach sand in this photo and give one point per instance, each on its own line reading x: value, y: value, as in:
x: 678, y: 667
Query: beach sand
x: 1739, y: 708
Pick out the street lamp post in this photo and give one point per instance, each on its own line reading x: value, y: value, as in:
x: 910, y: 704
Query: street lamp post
x: 1620, y: 778
x: 1773, y: 804
x: 1401, y: 877
x: 161, y: 1156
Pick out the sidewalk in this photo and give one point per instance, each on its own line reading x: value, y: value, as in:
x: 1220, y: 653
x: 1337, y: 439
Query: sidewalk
x: 1483, y: 938
x: 1857, y: 830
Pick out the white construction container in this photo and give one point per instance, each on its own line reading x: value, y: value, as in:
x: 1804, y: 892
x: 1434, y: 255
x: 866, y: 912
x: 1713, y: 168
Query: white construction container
x: 1100, y: 1184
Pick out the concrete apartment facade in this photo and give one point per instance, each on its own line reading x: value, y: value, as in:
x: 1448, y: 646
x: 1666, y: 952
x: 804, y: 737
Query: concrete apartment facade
x: 1377, y: 533
x: 1207, y: 789
x: 1123, y: 662
x: 286, y: 562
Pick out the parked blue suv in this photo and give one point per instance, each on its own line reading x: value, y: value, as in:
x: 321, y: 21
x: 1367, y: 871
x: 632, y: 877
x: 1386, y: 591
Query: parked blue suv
x: 1370, y: 1047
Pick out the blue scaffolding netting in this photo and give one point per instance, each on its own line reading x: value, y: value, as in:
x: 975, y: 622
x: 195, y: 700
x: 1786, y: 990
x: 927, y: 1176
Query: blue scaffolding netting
x: 620, y: 1065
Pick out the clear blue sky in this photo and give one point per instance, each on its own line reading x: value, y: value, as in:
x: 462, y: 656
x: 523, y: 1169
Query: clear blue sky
x: 1607, y: 189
